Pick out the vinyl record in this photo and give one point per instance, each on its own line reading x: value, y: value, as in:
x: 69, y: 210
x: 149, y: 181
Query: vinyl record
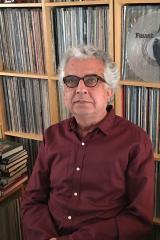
x: 143, y: 47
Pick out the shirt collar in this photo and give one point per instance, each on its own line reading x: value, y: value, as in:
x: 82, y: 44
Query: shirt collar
x: 72, y: 124
x: 105, y: 125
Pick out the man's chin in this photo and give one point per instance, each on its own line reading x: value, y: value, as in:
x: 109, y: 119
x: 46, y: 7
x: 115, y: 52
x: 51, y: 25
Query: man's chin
x: 82, y: 112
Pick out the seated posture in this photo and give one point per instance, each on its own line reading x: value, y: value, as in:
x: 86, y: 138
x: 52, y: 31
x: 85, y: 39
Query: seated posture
x: 94, y: 175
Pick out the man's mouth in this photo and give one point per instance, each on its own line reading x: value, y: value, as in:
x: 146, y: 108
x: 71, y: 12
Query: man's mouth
x: 81, y: 101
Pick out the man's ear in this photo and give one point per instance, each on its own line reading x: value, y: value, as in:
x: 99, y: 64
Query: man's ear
x: 110, y: 93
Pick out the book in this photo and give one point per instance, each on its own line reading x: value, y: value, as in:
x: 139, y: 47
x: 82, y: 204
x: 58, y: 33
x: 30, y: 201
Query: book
x: 7, y: 148
x: 32, y: 151
x: 16, y: 163
x: 14, y: 167
x: 4, y: 181
x: 6, y: 190
x: 9, y: 174
x: 13, y: 157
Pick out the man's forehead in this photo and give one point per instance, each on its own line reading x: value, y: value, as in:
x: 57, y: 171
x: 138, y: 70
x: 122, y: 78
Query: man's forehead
x: 72, y: 60
x: 90, y: 64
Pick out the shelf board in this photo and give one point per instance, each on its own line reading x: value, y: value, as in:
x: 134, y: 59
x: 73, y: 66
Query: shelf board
x: 23, y: 75
x: 17, y: 187
x: 139, y: 83
x: 54, y: 78
x: 33, y: 136
x: 156, y: 221
x: 76, y: 3
x: 157, y: 157
x: 19, y: 5
x: 124, y: 2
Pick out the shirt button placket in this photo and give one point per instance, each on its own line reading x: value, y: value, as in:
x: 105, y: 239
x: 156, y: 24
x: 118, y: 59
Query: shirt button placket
x: 78, y: 170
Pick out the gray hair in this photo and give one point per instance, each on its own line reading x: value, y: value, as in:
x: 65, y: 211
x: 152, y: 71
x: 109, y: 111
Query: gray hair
x: 111, y: 75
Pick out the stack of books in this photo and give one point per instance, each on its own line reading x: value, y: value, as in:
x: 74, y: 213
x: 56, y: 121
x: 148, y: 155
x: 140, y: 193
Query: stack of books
x: 13, y: 166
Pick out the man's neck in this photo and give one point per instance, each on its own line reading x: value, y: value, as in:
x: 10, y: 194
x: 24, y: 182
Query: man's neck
x: 87, y: 124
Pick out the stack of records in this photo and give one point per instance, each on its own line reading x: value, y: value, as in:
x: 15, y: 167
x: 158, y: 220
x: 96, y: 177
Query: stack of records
x: 13, y: 166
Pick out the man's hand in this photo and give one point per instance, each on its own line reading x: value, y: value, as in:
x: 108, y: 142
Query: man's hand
x: 53, y: 239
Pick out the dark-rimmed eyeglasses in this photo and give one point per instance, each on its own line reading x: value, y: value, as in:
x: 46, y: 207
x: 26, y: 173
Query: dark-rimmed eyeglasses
x: 91, y: 80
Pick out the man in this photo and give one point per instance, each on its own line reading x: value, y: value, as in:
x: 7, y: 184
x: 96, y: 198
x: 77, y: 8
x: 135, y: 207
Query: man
x: 93, y: 178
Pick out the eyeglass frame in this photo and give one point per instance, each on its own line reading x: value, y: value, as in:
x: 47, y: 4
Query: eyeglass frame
x: 83, y: 78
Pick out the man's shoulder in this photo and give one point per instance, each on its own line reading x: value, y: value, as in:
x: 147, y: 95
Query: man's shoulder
x: 56, y: 133
x: 62, y: 125
x: 130, y: 127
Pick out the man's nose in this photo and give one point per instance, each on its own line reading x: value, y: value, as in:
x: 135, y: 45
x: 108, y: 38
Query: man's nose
x: 81, y: 88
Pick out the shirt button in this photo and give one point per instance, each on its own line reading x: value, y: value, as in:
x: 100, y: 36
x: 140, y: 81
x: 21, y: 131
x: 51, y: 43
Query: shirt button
x: 69, y: 217
x: 82, y: 143
x: 75, y: 194
x: 77, y: 169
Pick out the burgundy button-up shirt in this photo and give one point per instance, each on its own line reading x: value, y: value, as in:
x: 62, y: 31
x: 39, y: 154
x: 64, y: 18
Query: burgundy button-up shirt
x: 97, y: 188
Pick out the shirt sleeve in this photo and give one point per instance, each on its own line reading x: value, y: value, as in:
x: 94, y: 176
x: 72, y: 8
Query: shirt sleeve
x: 135, y: 221
x: 37, y: 221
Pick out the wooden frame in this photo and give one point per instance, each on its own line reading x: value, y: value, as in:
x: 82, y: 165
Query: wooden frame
x: 50, y: 75
x: 118, y: 4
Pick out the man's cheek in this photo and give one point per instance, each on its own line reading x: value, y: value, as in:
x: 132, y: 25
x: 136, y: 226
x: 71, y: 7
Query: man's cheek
x: 67, y: 99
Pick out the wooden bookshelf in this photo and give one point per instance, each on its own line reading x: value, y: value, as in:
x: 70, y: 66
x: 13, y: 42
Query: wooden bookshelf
x: 77, y: 3
x: 20, y: 5
x: 1, y: 136
x: 157, y: 157
x: 115, y: 43
x: 51, y: 72
x: 2, y: 112
x: 19, y: 188
x: 139, y: 84
x: 156, y: 221
x: 54, y: 78
x: 118, y: 5
x: 32, y: 136
x: 23, y: 75
x: 10, y: 213
x: 123, y: 2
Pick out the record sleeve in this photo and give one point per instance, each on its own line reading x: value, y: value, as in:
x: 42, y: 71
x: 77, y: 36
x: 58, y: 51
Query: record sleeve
x: 143, y: 47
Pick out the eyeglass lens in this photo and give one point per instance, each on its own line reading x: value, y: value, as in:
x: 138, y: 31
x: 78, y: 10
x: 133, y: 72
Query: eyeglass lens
x: 89, y: 80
